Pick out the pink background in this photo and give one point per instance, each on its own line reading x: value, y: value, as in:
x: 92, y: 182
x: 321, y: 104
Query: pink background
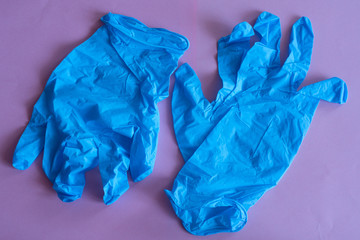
x: 318, y: 198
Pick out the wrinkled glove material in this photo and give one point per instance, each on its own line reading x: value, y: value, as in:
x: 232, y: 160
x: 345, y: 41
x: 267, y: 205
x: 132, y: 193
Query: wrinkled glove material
x: 239, y: 146
x: 99, y: 108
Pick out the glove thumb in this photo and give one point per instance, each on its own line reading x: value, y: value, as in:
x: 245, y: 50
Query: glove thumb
x: 332, y: 90
x: 31, y: 142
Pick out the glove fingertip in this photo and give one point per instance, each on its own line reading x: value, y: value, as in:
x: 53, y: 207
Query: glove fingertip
x: 241, y: 31
x: 22, y: 158
x: 304, y: 20
x: 337, y: 90
x: 268, y: 20
x: 139, y: 177
x: 114, y: 190
x: 267, y: 28
x: 110, y: 199
x: 267, y: 16
x: 114, y: 187
x: 183, y: 72
x: 68, y: 198
x: 303, y: 25
x: 343, y: 92
x: 20, y: 164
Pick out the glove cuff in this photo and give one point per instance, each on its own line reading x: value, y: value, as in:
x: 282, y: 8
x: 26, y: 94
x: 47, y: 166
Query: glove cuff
x: 220, y: 215
x: 157, y: 37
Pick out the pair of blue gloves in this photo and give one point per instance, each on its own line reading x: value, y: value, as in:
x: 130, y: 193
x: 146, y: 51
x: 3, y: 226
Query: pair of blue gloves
x: 99, y: 109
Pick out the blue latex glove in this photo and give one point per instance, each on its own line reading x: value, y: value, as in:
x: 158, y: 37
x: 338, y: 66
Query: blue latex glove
x: 99, y: 108
x: 238, y: 147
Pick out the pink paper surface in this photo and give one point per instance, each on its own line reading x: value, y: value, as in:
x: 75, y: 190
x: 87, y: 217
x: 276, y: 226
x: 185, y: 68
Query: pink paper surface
x: 318, y: 198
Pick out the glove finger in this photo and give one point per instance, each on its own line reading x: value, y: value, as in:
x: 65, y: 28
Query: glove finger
x: 191, y: 111
x: 113, y: 165
x: 231, y: 51
x: 332, y: 90
x: 53, y: 150
x: 267, y: 28
x: 263, y: 57
x: 255, y: 67
x: 79, y: 156
x: 300, y: 50
x: 31, y: 142
x: 187, y: 89
x: 143, y: 151
x: 188, y: 97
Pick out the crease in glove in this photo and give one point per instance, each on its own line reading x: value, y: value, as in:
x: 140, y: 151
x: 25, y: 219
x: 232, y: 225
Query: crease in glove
x: 99, y: 108
x: 239, y: 146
